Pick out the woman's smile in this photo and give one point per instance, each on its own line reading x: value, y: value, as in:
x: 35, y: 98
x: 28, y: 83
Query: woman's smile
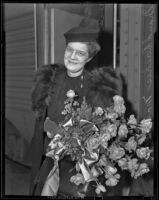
x: 72, y: 62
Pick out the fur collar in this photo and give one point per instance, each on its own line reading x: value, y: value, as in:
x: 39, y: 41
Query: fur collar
x: 103, y: 84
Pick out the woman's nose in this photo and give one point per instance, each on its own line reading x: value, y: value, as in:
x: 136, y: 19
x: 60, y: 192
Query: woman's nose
x: 73, y: 54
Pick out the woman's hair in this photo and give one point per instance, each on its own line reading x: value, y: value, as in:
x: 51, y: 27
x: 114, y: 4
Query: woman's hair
x: 93, y: 48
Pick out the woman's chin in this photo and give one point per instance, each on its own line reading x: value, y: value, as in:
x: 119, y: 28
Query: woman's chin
x: 72, y: 68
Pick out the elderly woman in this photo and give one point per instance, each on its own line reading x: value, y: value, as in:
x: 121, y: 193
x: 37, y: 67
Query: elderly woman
x: 49, y: 94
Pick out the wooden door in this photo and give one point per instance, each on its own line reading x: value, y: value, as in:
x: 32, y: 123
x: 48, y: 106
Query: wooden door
x: 137, y: 28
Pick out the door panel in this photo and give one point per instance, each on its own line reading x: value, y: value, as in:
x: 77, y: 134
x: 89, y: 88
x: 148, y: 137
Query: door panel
x: 19, y: 72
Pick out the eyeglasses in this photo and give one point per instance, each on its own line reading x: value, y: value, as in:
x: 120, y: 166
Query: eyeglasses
x: 79, y: 53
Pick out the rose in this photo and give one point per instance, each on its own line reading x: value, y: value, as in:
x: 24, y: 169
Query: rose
x: 111, y: 115
x: 119, y: 106
x: 123, y: 131
x: 117, y: 176
x: 112, y: 128
x: 100, y: 188
x: 131, y: 144
x: 75, y: 103
x: 116, y: 152
x: 111, y: 181
x: 92, y: 143
x: 141, y: 138
x: 118, y: 99
x: 143, y: 152
x: 143, y: 168
x: 111, y: 170
x: 104, y: 139
x: 132, y: 121
x: 123, y: 163
x: 70, y: 94
x: 132, y: 164
x: 77, y: 179
x: 146, y: 125
x: 99, y: 111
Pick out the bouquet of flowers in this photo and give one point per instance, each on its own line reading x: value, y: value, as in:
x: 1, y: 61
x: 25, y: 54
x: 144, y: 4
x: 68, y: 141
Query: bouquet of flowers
x: 100, y: 140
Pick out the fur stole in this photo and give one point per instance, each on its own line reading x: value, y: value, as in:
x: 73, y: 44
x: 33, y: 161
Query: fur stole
x: 103, y: 84
x: 43, y: 84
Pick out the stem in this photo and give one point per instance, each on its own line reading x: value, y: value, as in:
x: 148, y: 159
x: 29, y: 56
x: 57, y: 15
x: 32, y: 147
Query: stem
x: 97, y: 182
x: 103, y: 169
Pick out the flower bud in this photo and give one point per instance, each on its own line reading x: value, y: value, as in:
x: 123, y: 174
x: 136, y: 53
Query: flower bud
x: 70, y: 94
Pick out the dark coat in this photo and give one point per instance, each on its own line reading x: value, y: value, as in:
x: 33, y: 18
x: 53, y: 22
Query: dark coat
x: 103, y: 83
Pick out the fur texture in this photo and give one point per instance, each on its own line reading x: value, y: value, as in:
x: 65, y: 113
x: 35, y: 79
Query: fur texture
x: 43, y: 84
x: 103, y: 84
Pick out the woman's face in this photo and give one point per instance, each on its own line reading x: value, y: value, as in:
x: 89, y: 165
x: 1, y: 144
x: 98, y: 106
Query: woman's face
x: 76, y: 56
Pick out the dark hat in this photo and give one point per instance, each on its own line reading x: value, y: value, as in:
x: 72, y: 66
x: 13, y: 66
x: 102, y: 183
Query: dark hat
x: 88, y: 30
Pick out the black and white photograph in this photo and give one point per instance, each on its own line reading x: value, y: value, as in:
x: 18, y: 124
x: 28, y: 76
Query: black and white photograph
x: 79, y: 100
